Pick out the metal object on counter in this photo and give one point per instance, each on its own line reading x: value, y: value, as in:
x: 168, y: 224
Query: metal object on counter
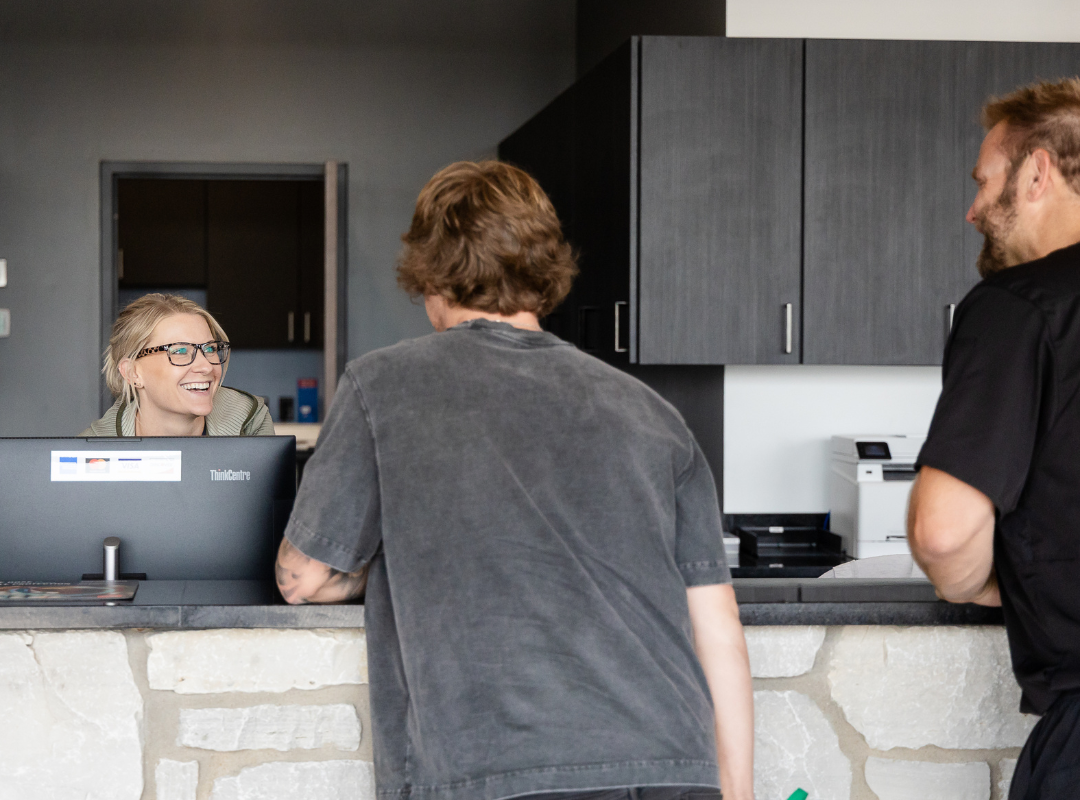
x: 112, y: 548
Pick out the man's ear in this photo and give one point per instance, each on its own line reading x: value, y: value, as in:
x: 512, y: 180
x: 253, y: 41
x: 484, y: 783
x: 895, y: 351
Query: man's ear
x: 1039, y: 176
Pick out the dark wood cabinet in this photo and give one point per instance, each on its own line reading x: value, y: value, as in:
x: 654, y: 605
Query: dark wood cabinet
x: 884, y: 215
x: 720, y: 163
x: 544, y: 147
x: 311, y: 279
x: 604, y: 102
x: 684, y: 171
x: 255, y: 247
x: 161, y: 233
x: 892, y: 134
x: 729, y: 196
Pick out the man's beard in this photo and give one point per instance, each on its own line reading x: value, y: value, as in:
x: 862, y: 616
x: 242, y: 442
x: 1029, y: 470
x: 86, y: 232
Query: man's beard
x: 996, y: 223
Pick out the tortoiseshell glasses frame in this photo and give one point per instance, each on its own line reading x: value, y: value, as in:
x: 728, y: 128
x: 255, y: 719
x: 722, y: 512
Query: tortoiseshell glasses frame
x: 181, y: 354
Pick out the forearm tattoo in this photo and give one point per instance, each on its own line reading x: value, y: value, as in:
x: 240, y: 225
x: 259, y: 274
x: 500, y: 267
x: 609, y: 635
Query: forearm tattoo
x: 304, y: 580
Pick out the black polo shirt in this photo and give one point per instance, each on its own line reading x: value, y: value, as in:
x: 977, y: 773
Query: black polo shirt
x: 1008, y: 423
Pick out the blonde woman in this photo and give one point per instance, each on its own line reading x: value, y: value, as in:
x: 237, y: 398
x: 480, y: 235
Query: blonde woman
x: 166, y: 359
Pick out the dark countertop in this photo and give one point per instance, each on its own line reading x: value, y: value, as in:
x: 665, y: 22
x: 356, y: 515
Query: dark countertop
x: 180, y: 605
x: 845, y: 601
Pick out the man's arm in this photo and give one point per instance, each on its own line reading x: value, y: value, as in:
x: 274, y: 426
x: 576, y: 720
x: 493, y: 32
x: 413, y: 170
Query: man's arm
x: 951, y: 533
x: 721, y: 649
x: 304, y: 580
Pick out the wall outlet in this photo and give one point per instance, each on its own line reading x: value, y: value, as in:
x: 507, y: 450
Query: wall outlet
x: 5, y: 322
x: 3, y: 272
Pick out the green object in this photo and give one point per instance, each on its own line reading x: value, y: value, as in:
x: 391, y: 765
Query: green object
x: 798, y: 794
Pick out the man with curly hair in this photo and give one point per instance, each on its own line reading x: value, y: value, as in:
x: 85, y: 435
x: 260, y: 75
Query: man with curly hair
x: 548, y: 607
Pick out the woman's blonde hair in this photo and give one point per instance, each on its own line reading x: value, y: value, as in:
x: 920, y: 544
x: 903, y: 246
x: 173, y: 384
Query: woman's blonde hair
x: 132, y: 331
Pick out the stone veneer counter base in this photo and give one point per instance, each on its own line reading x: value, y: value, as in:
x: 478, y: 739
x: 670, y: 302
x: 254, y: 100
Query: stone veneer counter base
x: 204, y: 690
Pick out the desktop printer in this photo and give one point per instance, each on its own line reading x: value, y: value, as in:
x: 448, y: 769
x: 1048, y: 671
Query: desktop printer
x: 869, y: 485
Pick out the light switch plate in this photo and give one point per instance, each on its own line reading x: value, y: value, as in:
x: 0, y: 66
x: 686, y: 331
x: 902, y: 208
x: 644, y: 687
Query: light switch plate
x: 5, y: 322
x: 3, y: 272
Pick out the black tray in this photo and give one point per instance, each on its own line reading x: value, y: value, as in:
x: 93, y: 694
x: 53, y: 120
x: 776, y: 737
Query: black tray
x: 792, y: 546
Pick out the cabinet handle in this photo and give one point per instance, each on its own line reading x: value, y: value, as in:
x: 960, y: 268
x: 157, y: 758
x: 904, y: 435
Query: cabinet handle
x: 307, y: 327
x: 291, y: 326
x: 617, y: 326
x: 787, y: 327
x: 950, y: 309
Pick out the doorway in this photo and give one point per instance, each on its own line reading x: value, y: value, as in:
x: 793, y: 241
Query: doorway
x: 261, y: 246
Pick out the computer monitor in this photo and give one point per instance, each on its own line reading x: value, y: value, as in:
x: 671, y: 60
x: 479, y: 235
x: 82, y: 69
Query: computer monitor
x: 184, y: 508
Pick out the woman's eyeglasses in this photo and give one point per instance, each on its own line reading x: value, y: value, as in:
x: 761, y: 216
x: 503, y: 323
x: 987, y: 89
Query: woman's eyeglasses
x: 183, y: 353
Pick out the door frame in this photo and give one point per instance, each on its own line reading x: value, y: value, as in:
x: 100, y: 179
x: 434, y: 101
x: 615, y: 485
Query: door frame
x: 335, y: 334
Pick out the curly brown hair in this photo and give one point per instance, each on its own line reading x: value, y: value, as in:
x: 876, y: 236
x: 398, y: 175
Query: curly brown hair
x: 484, y: 236
x: 1041, y: 116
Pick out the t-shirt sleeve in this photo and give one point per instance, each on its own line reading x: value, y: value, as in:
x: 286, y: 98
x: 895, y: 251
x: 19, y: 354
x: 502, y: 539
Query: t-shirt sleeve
x: 984, y: 428
x: 336, y: 518
x: 699, y: 533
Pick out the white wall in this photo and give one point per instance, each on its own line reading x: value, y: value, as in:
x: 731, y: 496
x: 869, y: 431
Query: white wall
x: 778, y: 420
x: 964, y: 20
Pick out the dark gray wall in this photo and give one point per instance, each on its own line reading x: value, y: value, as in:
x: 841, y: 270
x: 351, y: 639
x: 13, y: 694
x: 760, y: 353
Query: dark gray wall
x: 395, y: 89
x: 602, y: 25
x: 698, y: 394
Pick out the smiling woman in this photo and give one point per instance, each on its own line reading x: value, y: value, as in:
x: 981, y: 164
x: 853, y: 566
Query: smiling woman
x: 165, y: 363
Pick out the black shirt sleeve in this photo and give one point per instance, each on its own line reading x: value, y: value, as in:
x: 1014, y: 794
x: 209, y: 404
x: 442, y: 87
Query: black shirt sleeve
x: 337, y: 516
x: 994, y: 386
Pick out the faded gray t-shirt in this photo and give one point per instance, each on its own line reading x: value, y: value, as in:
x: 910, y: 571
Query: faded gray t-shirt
x: 532, y: 518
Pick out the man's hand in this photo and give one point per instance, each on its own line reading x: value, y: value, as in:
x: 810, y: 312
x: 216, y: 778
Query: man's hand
x: 721, y: 649
x: 951, y: 533
x: 304, y: 580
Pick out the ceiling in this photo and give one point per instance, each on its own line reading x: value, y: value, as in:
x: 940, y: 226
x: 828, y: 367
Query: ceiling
x: 457, y: 24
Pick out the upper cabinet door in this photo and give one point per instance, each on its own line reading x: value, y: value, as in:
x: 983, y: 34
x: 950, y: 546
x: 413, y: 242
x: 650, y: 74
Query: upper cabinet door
x: 253, y: 246
x: 995, y: 69
x: 884, y: 201
x: 544, y: 147
x: 161, y: 231
x: 604, y: 121
x: 720, y: 216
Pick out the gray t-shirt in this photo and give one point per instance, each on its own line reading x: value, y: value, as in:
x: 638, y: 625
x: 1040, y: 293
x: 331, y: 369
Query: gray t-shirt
x: 532, y: 518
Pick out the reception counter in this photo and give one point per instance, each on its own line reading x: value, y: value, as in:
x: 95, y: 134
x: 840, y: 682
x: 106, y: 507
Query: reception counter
x: 204, y: 690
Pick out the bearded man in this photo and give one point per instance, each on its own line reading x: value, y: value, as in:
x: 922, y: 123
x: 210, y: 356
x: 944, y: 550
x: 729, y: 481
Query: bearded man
x: 995, y: 512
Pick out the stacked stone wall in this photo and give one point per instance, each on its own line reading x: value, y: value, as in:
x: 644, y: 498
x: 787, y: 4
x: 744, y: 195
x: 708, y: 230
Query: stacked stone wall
x: 846, y: 713
x: 884, y: 713
x: 193, y: 715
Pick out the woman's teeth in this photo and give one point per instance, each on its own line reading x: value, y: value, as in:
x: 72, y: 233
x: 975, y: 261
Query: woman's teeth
x: 196, y: 387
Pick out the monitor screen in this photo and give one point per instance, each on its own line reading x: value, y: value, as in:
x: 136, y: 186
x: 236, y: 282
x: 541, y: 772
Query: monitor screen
x: 191, y: 508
